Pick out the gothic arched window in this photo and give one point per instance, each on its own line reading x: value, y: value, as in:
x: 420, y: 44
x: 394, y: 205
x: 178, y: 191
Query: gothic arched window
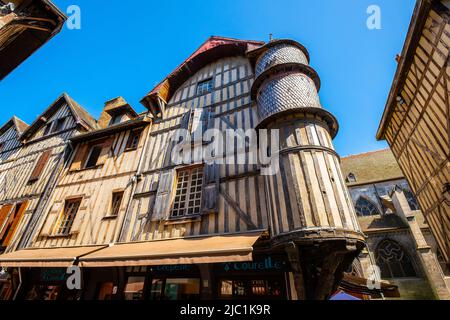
x: 393, y: 261
x: 412, y: 201
x: 364, y: 207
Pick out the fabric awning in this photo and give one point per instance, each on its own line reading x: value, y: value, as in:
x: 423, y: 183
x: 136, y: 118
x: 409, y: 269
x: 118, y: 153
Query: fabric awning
x: 46, y: 257
x: 358, y: 285
x: 213, y: 249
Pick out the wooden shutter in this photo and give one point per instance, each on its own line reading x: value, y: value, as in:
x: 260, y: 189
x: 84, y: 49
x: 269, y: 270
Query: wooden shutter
x: 4, y: 214
x: 18, y: 214
x: 211, y: 176
x: 40, y: 165
x: 79, y: 216
x: 196, y: 122
x: 80, y: 157
x: 51, y: 218
x: 106, y: 148
x: 163, y: 195
x: 210, y: 192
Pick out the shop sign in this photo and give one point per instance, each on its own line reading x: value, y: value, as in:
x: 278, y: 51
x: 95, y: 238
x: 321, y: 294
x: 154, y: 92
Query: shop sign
x: 53, y: 274
x: 172, y: 268
x: 268, y: 264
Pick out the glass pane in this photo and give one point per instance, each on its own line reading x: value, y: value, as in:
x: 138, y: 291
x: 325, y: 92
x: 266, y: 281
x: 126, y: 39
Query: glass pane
x: 156, y: 289
x: 134, y: 290
x: 105, y: 291
x: 182, y: 289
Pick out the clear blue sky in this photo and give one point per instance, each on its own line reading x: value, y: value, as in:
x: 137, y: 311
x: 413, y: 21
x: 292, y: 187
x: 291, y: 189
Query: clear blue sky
x: 126, y: 47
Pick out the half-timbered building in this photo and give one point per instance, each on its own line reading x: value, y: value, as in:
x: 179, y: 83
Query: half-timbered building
x: 416, y: 120
x: 31, y: 159
x: 24, y: 27
x: 399, y: 240
x: 203, y: 205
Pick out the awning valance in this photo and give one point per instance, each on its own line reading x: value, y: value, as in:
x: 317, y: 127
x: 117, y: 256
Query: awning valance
x: 196, y: 250
x: 46, y: 257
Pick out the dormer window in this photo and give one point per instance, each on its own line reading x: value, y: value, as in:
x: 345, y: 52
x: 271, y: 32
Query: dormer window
x: 205, y: 87
x: 351, y: 178
x: 47, y: 128
x: 116, y: 119
x: 94, y: 155
x: 59, y: 125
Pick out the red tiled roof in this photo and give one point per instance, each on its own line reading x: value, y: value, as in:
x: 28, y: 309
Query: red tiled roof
x: 213, y: 48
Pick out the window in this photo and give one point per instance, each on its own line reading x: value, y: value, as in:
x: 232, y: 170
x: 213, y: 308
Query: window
x: 40, y: 165
x: 11, y: 222
x: 93, y: 156
x: 133, y: 139
x: 59, y: 125
x: 134, y: 289
x: 115, y: 119
x: 175, y: 289
x: 254, y: 288
x: 66, y: 220
x: 351, y: 178
x: 105, y: 291
x: 205, y: 87
x: 412, y: 201
x: 393, y: 261
x: 365, y: 207
x: 189, y: 192
x: 47, y: 128
x: 116, y: 202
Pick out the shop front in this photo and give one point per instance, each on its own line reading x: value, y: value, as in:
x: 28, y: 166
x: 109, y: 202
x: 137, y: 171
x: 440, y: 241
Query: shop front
x: 264, y: 278
x: 202, y: 268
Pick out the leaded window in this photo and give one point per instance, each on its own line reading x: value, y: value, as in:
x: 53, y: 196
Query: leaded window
x: 189, y: 192
x: 412, y: 201
x: 365, y: 207
x: 205, y: 87
x: 393, y: 261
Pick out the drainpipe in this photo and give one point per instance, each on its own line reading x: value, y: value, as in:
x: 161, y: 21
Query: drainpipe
x: 134, y: 182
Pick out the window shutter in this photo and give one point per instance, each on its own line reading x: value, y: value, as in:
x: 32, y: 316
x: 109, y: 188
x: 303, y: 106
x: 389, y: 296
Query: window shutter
x: 196, y: 122
x: 80, y: 156
x: 163, y: 196
x: 40, y: 165
x: 105, y: 152
x: 4, y: 215
x: 211, y: 184
x: 79, y: 218
x: 4, y: 211
x: 51, y: 218
x: 17, y: 218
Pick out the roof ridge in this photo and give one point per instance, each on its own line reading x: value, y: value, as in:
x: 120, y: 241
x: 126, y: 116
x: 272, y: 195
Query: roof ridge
x: 366, y: 153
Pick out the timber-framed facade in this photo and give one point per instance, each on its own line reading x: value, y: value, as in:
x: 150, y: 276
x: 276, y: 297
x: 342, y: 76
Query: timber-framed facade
x: 143, y: 225
x: 416, y: 121
x: 25, y: 26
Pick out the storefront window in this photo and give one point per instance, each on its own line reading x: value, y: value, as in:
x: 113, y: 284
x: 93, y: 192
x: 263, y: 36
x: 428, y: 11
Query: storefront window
x: 134, y: 289
x: 182, y: 289
x: 175, y: 289
x: 256, y: 288
x: 105, y: 291
x: 44, y: 292
x: 156, y: 289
